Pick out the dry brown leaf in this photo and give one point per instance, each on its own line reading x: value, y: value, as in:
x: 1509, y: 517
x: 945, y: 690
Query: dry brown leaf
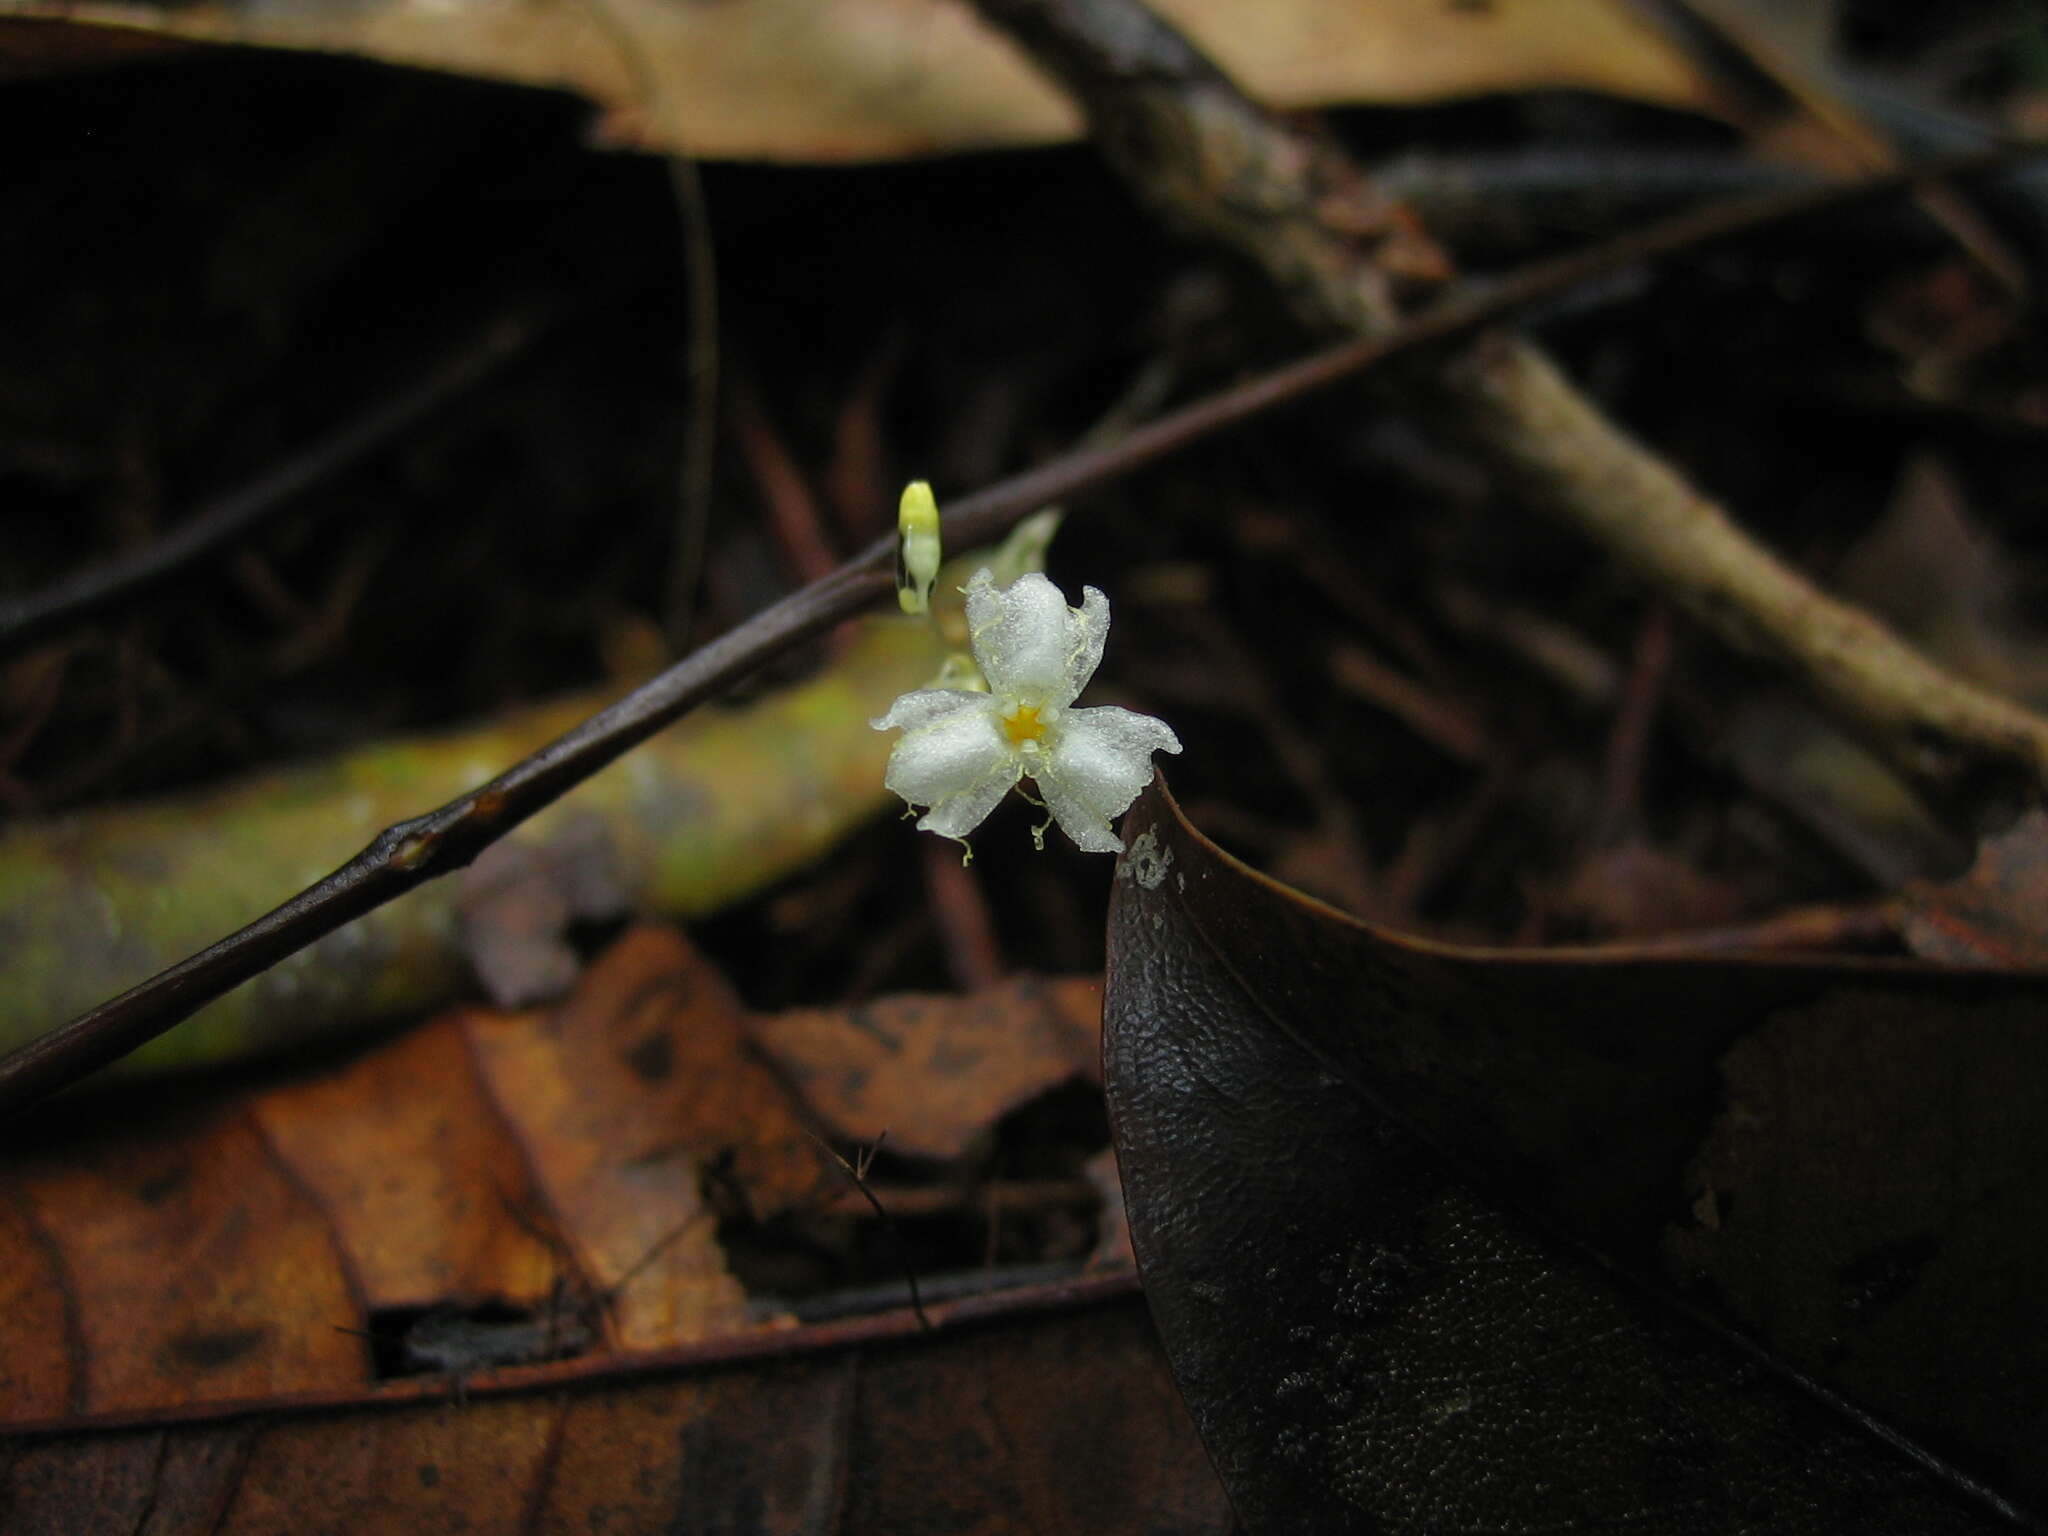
x: 626, y: 1103
x: 190, y: 1263
x: 932, y: 1071
x: 880, y: 79
x: 491, y: 1189
x: 553, y: 1165
x: 391, y: 1147
x: 593, y: 1127
x: 1051, y: 1424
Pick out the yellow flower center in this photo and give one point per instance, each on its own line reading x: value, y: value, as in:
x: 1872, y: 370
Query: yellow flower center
x: 1021, y: 724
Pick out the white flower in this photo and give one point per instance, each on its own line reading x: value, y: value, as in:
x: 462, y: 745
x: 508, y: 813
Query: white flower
x: 961, y: 752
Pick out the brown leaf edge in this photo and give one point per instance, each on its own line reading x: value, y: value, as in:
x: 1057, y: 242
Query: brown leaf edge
x: 896, y: 1325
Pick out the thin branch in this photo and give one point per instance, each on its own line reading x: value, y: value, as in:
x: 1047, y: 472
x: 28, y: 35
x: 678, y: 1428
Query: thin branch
x: 89, y: 593
x: 1287, y: 198
x: 862, y: 1330
x: 412, y: 852
x: 1765, y: 50
x: 858, y: 1172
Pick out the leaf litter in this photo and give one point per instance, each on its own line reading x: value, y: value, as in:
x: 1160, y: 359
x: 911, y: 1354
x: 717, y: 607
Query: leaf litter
x: 489, y: 1189
x: 1442, y: 772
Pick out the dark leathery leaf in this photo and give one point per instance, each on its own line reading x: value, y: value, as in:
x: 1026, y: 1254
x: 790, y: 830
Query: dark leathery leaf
x: 1405, y: 1213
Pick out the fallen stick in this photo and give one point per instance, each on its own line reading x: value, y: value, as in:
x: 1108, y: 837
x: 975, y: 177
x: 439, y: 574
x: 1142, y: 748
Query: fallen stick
x: 1288, y: 199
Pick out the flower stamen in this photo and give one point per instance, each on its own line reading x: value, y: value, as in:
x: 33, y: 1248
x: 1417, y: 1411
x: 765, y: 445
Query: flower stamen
x: 1021, y: 724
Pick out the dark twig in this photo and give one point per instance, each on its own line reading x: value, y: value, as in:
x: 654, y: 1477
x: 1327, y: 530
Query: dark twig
x: 1286, y: 197
x: 412, y: 852
x: 858, y: 1172
x: 90, y: 593
x: 928, y: 1200
x: 979, y: 1308
x: 1805, y: 86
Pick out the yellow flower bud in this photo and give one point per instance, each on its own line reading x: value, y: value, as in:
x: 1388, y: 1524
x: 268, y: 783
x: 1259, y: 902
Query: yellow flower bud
x: 917, y: 547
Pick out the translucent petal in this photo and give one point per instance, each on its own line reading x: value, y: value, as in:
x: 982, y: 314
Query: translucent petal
x: 1095, y: 739
x: 959, y: 814
x: 1020, y: 636
x: 1094, y: 771
x: 1090, y: 829
x: 924, y: 705
x: 1087, y: 632
x: 950, y: 755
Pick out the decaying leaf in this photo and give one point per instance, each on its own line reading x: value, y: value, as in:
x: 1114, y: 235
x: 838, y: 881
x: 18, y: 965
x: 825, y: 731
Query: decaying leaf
x: 390, y: 1148
x: 936, y: 1072
x: 188, y: 1263
x: 877, y: 79
x: 1052, y: 1424
x: 489, y: 1191
x: 702, y: 815
x: 645, y: 1121
x: 1451, y: 1239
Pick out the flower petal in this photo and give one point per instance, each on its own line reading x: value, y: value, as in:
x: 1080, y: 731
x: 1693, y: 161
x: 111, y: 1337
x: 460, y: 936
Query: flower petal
x: 1087, y: 633
x: 959, y: 814
x: 956, y: 753
x: 1094, y: 771
x: 1089, y: 828
x: 922, y: 706
x: 1020, y: 636
x: 1097, y: 740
